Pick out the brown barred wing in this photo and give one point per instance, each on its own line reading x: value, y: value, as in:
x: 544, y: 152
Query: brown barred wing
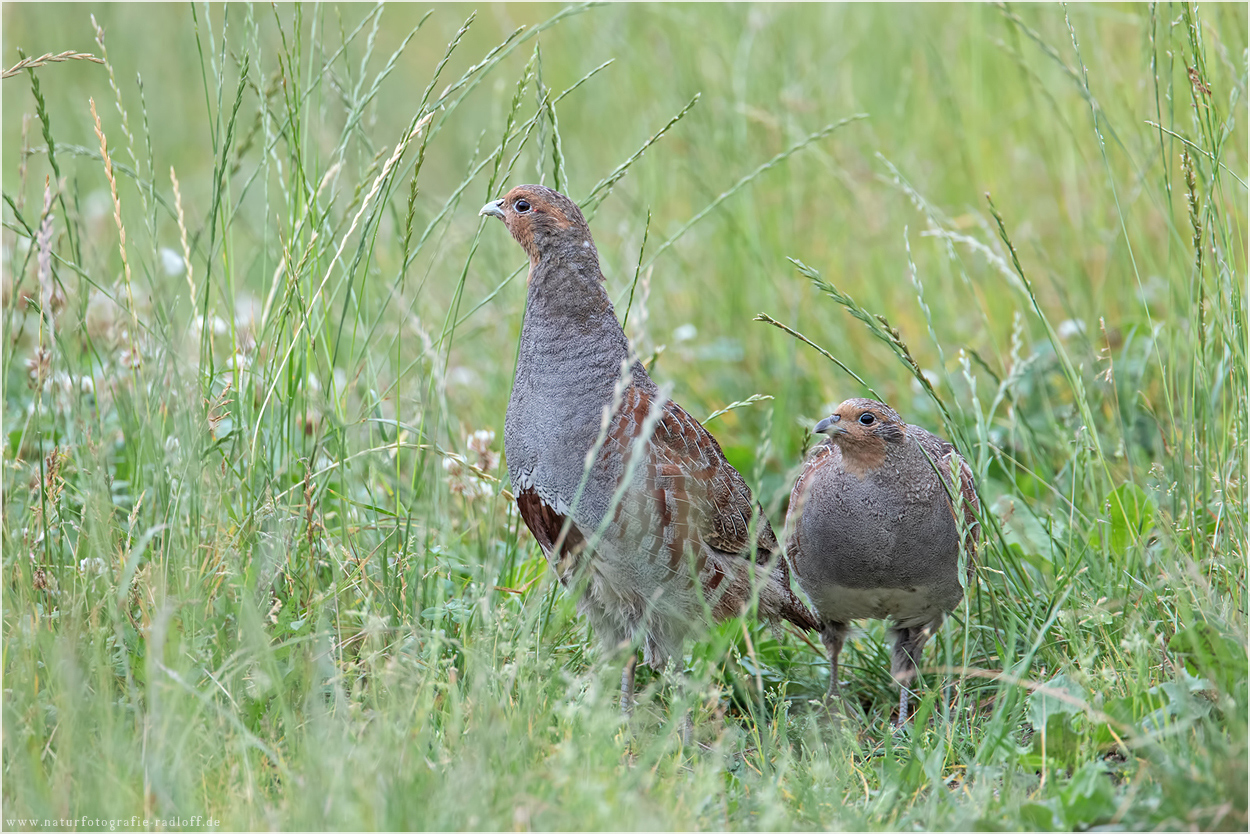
x: 946, y: 458
x: 692, y: 501
x: 561, y: 540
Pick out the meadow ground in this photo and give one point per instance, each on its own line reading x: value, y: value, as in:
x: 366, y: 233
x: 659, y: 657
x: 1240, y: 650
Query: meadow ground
x: 260, y: 564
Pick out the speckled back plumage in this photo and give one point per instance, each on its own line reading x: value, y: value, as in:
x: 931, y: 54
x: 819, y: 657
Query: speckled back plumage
x: 660, y: 516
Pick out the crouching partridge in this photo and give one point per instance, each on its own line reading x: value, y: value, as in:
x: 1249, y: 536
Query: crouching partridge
x: 874, y: 534
x: 630, y: 498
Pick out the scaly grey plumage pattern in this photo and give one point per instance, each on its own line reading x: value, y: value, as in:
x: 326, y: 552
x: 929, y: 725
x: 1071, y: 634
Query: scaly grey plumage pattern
x: 873, y: 531
x: 641, y: 514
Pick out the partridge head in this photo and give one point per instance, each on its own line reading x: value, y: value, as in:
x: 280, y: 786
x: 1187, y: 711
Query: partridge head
x: 543, y: 221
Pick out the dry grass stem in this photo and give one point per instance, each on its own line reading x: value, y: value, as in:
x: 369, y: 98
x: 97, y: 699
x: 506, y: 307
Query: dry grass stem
x: 50, y: 58
x: 121, y: 232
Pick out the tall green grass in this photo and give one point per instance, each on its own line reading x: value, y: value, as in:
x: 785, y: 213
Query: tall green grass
x: 260, y: 561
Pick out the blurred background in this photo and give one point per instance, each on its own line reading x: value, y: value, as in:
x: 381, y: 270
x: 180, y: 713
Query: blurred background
x: 960, y: 103
x: 276, y: 424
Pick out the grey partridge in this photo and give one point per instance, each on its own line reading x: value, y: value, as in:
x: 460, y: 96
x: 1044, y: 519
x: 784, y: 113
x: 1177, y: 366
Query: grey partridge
x: 873, y: 532
x: 630, y: 498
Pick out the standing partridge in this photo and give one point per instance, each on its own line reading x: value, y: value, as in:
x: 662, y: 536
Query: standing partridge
x: 873, y: 532
x: 630, y: 498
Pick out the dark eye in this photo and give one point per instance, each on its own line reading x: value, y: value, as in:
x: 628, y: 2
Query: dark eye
x: 521, y: 206
x: 866, y: 419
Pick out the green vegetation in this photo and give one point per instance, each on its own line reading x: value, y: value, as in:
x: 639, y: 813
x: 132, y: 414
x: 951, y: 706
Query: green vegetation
x: 260, y: 565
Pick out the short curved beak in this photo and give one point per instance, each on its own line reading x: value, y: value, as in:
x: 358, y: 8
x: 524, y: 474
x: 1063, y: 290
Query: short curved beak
x: 831, y: 425
x: 492, y: 209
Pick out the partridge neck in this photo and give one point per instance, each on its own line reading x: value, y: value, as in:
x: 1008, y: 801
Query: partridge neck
x: 863, y: 457
x: 566, y: 293
x: 570, y: 327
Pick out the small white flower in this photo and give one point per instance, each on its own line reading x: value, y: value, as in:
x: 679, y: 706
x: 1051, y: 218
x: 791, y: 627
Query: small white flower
x: 463, y: 377
x: 685, y: 332
x: 247, y: 310
x: 93, y: 566
x: 217, y: 323
x: 931, y: 376
x: 480, y: 444
x: 1069, y: 328
x: 171, y: 262
x: 98, y: 205
x: 130, y: 357
x: 62, y: 381
x: 481, y: 440
x: 100, y: 318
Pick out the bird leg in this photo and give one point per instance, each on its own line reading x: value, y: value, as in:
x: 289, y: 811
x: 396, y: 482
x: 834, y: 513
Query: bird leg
x: 908, y: 646
x: 627, y: 684
x: 903, y: 704
x: 833, y: 635
x: 687, y: 728
x: 674, y: 673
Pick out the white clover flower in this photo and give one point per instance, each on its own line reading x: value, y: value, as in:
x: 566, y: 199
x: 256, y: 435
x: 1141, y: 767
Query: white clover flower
x: 91, y: 566
x: 130, y: 357
x: 480, y: 443
x: 463, y: 377
x: 1069, y: 328
x: 481, y: 440
x: 931, y: 376
x: 685, y: 332
x: 61, y: 381
x: 247, y: 310
x: 172, y: 262
x: 100, y: 318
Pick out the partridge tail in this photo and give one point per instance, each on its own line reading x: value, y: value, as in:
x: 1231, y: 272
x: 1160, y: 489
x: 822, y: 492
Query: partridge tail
x: 788, y: 605
x: 793, y: 609
x: 799, y: 614
x: 730, y: 582
x: 779, y: 602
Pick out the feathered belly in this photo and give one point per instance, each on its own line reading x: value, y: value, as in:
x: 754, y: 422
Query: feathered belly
x: 883, y: 547
x: 914, y: 605
x: 627, y: 595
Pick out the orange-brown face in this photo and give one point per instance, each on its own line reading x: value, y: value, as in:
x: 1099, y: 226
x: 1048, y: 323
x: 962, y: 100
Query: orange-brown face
x: 861, y: 428
x: 540, y: 219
